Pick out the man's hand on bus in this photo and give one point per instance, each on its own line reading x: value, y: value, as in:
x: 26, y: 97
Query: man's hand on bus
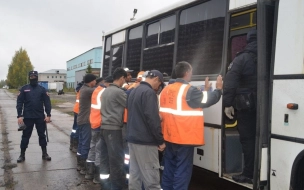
x: 207, y: 84
x: 219, y: 82
x: 229, y: 111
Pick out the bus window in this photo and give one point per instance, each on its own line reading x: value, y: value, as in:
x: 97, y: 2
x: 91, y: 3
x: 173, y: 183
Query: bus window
x: 157, y: 56
x: 238, y: 44
x: 167, y: 30
x: 200, y: 40
x: 117, y: 57
x: 134, y: 50
x: 107, y: 55
x: 152, y: 35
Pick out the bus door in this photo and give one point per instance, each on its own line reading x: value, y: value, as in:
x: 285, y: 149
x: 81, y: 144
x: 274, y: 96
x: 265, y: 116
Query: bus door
x: 286, y: 169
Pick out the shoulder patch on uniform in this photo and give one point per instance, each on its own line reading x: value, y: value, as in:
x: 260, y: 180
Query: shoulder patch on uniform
x: 27, y: 90
x: 230, y: 65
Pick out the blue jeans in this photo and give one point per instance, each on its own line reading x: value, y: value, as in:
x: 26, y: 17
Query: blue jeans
x: 178, y: 161
x: 75, y: 133
x: 84, y: 140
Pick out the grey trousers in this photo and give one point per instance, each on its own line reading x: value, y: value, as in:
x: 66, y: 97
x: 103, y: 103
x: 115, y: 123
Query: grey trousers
x: 144, y: 167
x: 94, y: 152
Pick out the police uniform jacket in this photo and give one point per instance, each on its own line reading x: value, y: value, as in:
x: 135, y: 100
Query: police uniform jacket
x: 31, y: 100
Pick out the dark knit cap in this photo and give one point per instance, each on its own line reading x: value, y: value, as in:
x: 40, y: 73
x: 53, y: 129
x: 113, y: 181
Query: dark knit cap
x: 89, y: 78
x: 99, y: 80
x: 109, y: 79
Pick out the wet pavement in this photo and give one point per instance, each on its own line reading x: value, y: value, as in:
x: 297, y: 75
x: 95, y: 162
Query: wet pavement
x: 35, y: 173
x: 60, y: 173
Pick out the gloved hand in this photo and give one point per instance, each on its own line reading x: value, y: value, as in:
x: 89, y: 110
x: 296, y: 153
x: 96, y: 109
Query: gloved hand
x: 229, y: 111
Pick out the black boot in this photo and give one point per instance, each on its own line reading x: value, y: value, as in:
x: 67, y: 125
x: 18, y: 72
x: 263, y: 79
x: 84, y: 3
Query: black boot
x: 75, y: 145
x: 45, y: 156
x: 83, y: 168
x: 78, y: 162
x: 22, y: 155
x: 90, y: 170
x: 96, y: 179
x: 71, y: 143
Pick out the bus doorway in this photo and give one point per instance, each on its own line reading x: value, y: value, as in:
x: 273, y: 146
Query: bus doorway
x: 232, y: 153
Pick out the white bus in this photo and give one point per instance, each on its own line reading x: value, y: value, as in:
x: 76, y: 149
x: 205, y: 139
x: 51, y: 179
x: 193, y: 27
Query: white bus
x: 207, y: 34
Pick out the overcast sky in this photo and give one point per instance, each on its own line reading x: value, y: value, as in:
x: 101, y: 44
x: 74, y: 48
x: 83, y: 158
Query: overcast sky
x: 54, y: 31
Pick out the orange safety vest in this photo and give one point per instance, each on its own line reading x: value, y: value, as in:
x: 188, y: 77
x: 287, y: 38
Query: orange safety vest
x: 181, y: 124
x: 95, y: 115
x: 125, y: 117
x: 76, y: 105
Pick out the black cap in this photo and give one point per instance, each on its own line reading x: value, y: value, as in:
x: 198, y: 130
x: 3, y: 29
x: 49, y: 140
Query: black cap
x: 109, y: 79
x: 99, y: 80
x: 33, y: 73
x: 158, y: 74
x: 89, y: 78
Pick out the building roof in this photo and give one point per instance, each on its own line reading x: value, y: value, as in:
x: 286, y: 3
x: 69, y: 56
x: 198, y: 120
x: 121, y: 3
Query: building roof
x: 54, y: 71
x: 99, y: 47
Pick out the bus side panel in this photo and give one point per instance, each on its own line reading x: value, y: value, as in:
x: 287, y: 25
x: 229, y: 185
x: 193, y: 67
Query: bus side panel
x: 207, y: 156
x: 282, y: 159
x: 288, y: 122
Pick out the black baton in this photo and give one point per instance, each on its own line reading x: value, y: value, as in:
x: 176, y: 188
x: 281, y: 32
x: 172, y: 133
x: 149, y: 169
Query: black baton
x: 46, y: 133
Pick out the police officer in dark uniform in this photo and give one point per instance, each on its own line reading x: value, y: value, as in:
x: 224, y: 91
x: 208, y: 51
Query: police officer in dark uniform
x: 31, y: 99
x: 240, y: 93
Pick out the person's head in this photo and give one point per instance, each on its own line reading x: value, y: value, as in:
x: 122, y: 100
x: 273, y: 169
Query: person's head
x: 129, y: 75
x: 119, y: 76
x: 140, y: 76
x: 33, y: 77
x: 99, y: 81
x: 252, y: 36
x: 90, y: 80
x: 108, y: 81
x: 155, y: 79
x: 183, y: 70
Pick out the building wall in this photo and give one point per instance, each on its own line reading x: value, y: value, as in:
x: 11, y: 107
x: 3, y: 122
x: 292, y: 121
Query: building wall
x: 79, y: 63
x: 52, y: 77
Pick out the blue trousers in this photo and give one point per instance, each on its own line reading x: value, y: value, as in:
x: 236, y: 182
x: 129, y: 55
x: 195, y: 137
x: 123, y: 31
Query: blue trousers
x: 84, y: 140
x: 75, y: 133
x: 27, y: 133
x: 178, y: 161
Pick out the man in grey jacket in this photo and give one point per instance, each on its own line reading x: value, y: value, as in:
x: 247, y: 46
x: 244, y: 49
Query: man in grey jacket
x: 113, y: 104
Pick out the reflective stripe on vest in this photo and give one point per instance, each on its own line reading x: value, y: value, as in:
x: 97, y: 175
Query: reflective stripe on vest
x: 76, y: 105
x: 181, y: 124
x: 95, y: 115
x: 205, y: 97
x: 104, y: 176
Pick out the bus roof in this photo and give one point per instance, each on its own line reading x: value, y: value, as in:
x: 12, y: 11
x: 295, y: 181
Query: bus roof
x: 153, y: 14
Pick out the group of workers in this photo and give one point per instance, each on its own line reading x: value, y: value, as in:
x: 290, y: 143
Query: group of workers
x: 120, y: 128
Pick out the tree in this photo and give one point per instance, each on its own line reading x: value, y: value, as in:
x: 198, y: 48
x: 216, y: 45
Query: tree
x: 18, y: 69
x: 89, y: 69
x: 2, y: 83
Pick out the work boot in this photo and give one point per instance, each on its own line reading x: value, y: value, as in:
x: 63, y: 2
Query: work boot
x: 45, y: 156
x: 83, y: 167
x: 75, y: 145
x: 242, y: 179
x: 90, y: 170
x: 78, y: 162
x: 71, y: 143
x: 96, y: 179
x: 22, y: 156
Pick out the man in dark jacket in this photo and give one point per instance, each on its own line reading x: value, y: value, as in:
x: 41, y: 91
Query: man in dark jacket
x: 240, y: 89
x: 83, y: 121
x: 144, y: 133
x: 30, y: 102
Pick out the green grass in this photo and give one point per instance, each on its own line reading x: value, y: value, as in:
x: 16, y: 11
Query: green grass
x: 13, y: 91
x: 56, y: 101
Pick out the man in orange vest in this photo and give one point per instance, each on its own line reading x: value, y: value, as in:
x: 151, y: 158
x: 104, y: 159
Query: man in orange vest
x: 183, y: 124
x: 93, y: 160
x: 74, y: 134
